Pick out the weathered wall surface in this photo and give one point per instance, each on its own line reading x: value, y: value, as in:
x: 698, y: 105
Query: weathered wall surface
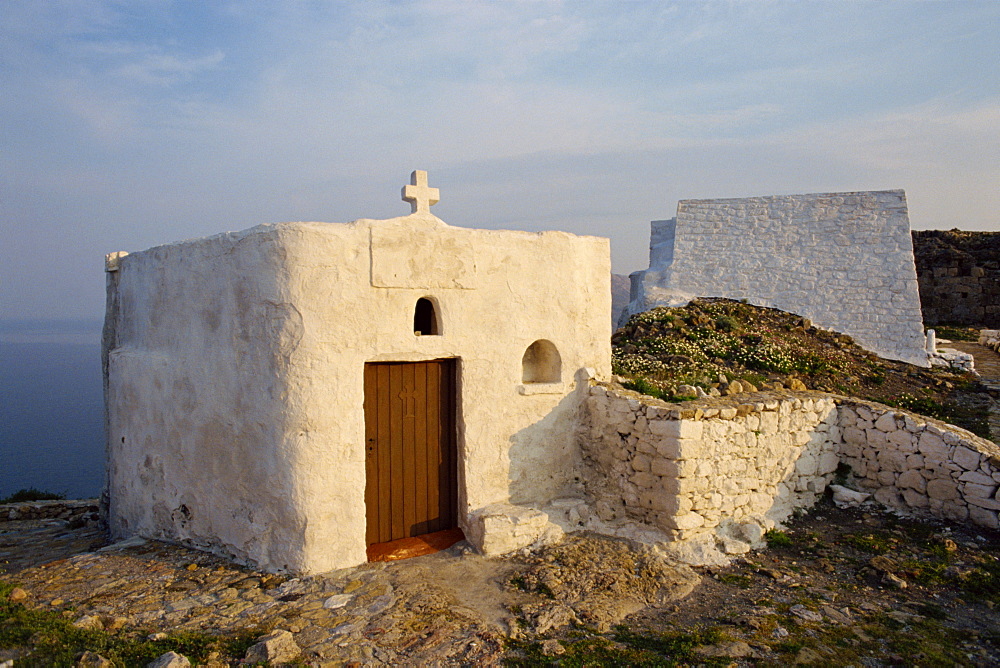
x: 236, y: 383
x: 686, y: 471
x: 909, y: 461
x: 843, y: 260
x: 706, y: 467
x: 959, y: 277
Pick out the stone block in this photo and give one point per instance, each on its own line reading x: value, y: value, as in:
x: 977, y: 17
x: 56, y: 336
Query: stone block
x: 977, y: 477
x: 644, y: 480
x: 902, y: 440
x: 807, y: 464
x: 654, y: 501
x: 669, y: 447
x: 966, y: 458
x: 972, y: 490
x: 954, y: 510
x: 912, y: 480
x: 828, y: 463
x: 989, y: 504
x: 677, y: 468
x: 686, y: 521
x: 932, y: 446
x: 889, y: 496
x: 942, y: 489
x: 677, y: 428
x: 854, y: 436
x: 983, y: 517
x: 640, y: 463
x: 886, y: 422
x: 914, y: 499
x: 876, y: 439
x: 500, y: 528
x: 886, y: 478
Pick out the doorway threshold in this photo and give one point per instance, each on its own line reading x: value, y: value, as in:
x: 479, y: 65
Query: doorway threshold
x: 405, y: 548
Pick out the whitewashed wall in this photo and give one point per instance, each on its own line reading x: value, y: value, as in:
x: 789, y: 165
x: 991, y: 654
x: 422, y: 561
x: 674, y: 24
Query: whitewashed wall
x: 843, y: 260
x: 235, y: 375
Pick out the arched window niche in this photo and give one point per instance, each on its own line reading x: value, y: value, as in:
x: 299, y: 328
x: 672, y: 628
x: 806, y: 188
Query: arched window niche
x: 541, y: 363
x: 425, y: 318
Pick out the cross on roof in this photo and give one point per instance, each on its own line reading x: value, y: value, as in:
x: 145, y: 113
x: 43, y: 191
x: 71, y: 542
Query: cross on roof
x: 420, y: 197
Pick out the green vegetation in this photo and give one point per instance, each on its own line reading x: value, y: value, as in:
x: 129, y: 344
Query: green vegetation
x: 52, y: 640
x: 31, y: 494
x: 957, y: 333
x: 711, y: 342
x: 622, y: 647
x: 736, y: 580
x: 873, y: 543
x: 777, y: 538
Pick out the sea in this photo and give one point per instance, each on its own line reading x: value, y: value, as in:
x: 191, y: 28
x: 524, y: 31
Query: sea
x: 51, y: 407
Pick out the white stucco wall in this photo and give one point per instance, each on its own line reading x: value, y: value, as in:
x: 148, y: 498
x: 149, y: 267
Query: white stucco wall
x: 843, y: 260
x: 235, y: 375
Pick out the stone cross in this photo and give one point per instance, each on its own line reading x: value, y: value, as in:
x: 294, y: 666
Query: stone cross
x: 420, y: 197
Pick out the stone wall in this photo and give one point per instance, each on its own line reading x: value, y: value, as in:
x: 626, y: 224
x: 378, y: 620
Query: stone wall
x: 687, y: 470
x: 843, y: 260
x: 959, y: 277
x: 75, y: 511
x: 909, y: 461
x: 748, y: 461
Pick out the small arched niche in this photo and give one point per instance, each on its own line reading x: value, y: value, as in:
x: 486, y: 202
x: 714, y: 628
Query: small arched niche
x: 541, y: 363
x: 425, y: 318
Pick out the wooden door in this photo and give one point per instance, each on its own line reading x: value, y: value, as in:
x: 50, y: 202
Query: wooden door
x: 410, y: 459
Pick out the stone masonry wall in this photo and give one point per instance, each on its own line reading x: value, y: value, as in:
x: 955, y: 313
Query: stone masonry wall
x: 843, y: 260
x: 909, y: 461
x: 688, y: 470
x: 696, y: 468
x: 959, y: 277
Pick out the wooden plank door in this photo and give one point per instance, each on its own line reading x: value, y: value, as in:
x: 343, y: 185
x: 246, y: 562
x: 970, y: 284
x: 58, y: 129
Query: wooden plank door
x: 411, y: 481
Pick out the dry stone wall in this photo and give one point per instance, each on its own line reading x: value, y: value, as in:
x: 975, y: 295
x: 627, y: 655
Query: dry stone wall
x: 736, y: 466
x: 687, y: 471
x: 913, y: 462
x: 843, y: 260
x: 959, y: 277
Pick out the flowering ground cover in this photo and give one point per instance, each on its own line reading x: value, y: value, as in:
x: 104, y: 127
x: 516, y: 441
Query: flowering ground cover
x: 668, y: 352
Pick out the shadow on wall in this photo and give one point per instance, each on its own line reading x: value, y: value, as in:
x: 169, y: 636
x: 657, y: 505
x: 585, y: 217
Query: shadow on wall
x: 543, y: 464
x: 718, y: 474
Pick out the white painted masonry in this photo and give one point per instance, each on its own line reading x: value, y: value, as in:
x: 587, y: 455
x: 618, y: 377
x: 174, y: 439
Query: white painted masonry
x: 843, y: 260
x: 235, y: 375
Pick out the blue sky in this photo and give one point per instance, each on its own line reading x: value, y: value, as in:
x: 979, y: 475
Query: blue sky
x: 128, y: 124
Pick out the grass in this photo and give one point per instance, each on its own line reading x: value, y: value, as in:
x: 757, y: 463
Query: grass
x: 777, y: 538
x: 50, y: 639
x: 31, y: 494
x: 622, y: 647
x: 957, y: 333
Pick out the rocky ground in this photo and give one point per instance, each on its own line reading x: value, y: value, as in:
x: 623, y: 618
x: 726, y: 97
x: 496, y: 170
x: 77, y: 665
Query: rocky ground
x: 838, y: 587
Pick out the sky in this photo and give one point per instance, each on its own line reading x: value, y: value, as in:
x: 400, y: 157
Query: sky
x: 128, y: 124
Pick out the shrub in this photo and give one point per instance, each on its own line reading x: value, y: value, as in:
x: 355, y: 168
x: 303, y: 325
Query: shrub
x: 32, y: 494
